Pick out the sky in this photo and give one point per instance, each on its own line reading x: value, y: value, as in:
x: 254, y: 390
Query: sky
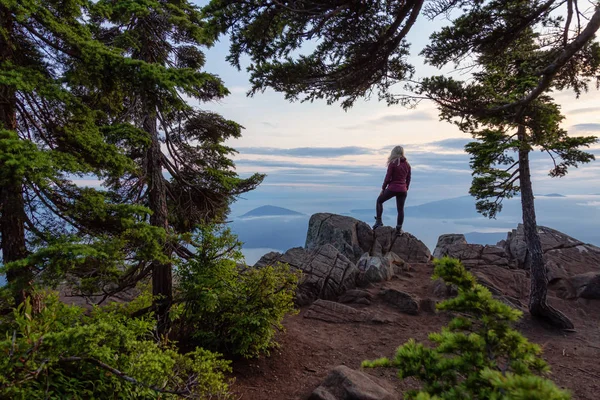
x: 319, y: 157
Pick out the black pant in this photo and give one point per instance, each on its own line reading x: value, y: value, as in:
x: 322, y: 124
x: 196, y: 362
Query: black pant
x: 400, y: 199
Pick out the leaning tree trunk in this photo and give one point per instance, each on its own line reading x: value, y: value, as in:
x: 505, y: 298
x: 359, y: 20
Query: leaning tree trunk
x: 162, y: 279
x: 538, y: 306
x: 12, y: 205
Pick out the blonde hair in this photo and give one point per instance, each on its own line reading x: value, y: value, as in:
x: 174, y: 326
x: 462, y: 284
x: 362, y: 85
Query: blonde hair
x: 396, y: 154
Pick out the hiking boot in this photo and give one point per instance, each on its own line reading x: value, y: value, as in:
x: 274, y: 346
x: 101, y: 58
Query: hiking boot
x: 378, y: 223
x: 399, y: 230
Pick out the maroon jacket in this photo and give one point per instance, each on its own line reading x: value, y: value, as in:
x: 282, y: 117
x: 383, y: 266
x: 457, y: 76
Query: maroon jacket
x: 397, y: 178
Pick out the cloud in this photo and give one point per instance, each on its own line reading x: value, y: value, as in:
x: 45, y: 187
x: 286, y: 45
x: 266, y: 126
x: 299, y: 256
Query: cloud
x: 392, y: 119
x: 451, y: 143
x: 423, y: 152
x: 269, y: 124
x: 589, y: 127
x: 309, y: 152
x: 585, y: 110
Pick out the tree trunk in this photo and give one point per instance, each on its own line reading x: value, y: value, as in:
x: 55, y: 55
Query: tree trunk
x: 538, y: 306
x: 162, y: 280
x: 12, y: 205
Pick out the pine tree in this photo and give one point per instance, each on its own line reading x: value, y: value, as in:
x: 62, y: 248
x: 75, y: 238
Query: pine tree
x: 479, y: 355
x: 48, y: 136
x: 184, y: 142
x: 507, y: 128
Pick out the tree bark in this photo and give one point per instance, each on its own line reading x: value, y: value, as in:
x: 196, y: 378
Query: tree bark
x: 12, y: 204
x: 538, y: 306
x: 162, y: 279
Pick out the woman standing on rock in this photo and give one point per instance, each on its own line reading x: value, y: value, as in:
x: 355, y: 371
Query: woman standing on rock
x: 395, y: 184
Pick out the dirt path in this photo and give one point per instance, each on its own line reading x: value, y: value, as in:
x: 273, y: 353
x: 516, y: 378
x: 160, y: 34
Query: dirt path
x: 311, y: 348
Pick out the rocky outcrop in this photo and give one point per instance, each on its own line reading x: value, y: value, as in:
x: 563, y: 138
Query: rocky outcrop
x: 326, y: 273
x: 353, y: 238
x: 556, y: 246
x: 406, y: 246
x: 447, y: 240
x: 564, y: 255
x: 344, y: 383
x: 342, y: 252
x: 350, y: 236
x: 471, y: 255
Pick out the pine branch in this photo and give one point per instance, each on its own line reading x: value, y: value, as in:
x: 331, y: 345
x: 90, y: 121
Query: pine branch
x: 551, y: 70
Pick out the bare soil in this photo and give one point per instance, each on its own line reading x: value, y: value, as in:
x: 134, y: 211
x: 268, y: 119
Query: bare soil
x: 310, y: 348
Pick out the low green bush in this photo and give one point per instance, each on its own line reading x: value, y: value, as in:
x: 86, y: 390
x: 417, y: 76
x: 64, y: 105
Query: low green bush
x: 228, y: 307
x: 479, y: 355
x: 63, y: 352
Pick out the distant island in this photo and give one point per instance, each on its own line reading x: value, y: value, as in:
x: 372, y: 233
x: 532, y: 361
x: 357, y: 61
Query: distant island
x: 270, y: 211
x: 553, y: 195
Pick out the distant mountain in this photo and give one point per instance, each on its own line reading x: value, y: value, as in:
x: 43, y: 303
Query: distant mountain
x: 270, y: 211
x: 454, y: 208
x: 553, y: 195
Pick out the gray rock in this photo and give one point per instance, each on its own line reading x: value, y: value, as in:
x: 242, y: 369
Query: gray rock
x: 373, y: 269
x: 326, y: 273
x: 441, y: 290
x: 446, y: 240
x: 404, y: 302
x: 344, y: 383
x: 471, y: 255
x: 399, y: 266
x: 406, y: 246
x: 271, y: 258
x: 502, y: 281
x: 494, y: 255
x: 350, y: 236
x: 564, y: 256
x: 330, y: 311
x: 586, y: 286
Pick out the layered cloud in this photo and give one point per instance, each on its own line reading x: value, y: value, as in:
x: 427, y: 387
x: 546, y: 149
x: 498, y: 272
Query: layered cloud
x: 392, y: 119
x: 309, y: 152
x: 588, y: 127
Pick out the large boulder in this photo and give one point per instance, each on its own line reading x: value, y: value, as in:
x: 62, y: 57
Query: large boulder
x: 447, y: 240
x: 564, y: 256
x: 404, y: 302
x: 406, y: 246
x: 471, y: 255
x: 337, y: 313
x: 326, y: 273
x: 344, y: 383
x: 586, y: 286
x: 373, y: 269
x: 353, y: 238
x: 350, y: 236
